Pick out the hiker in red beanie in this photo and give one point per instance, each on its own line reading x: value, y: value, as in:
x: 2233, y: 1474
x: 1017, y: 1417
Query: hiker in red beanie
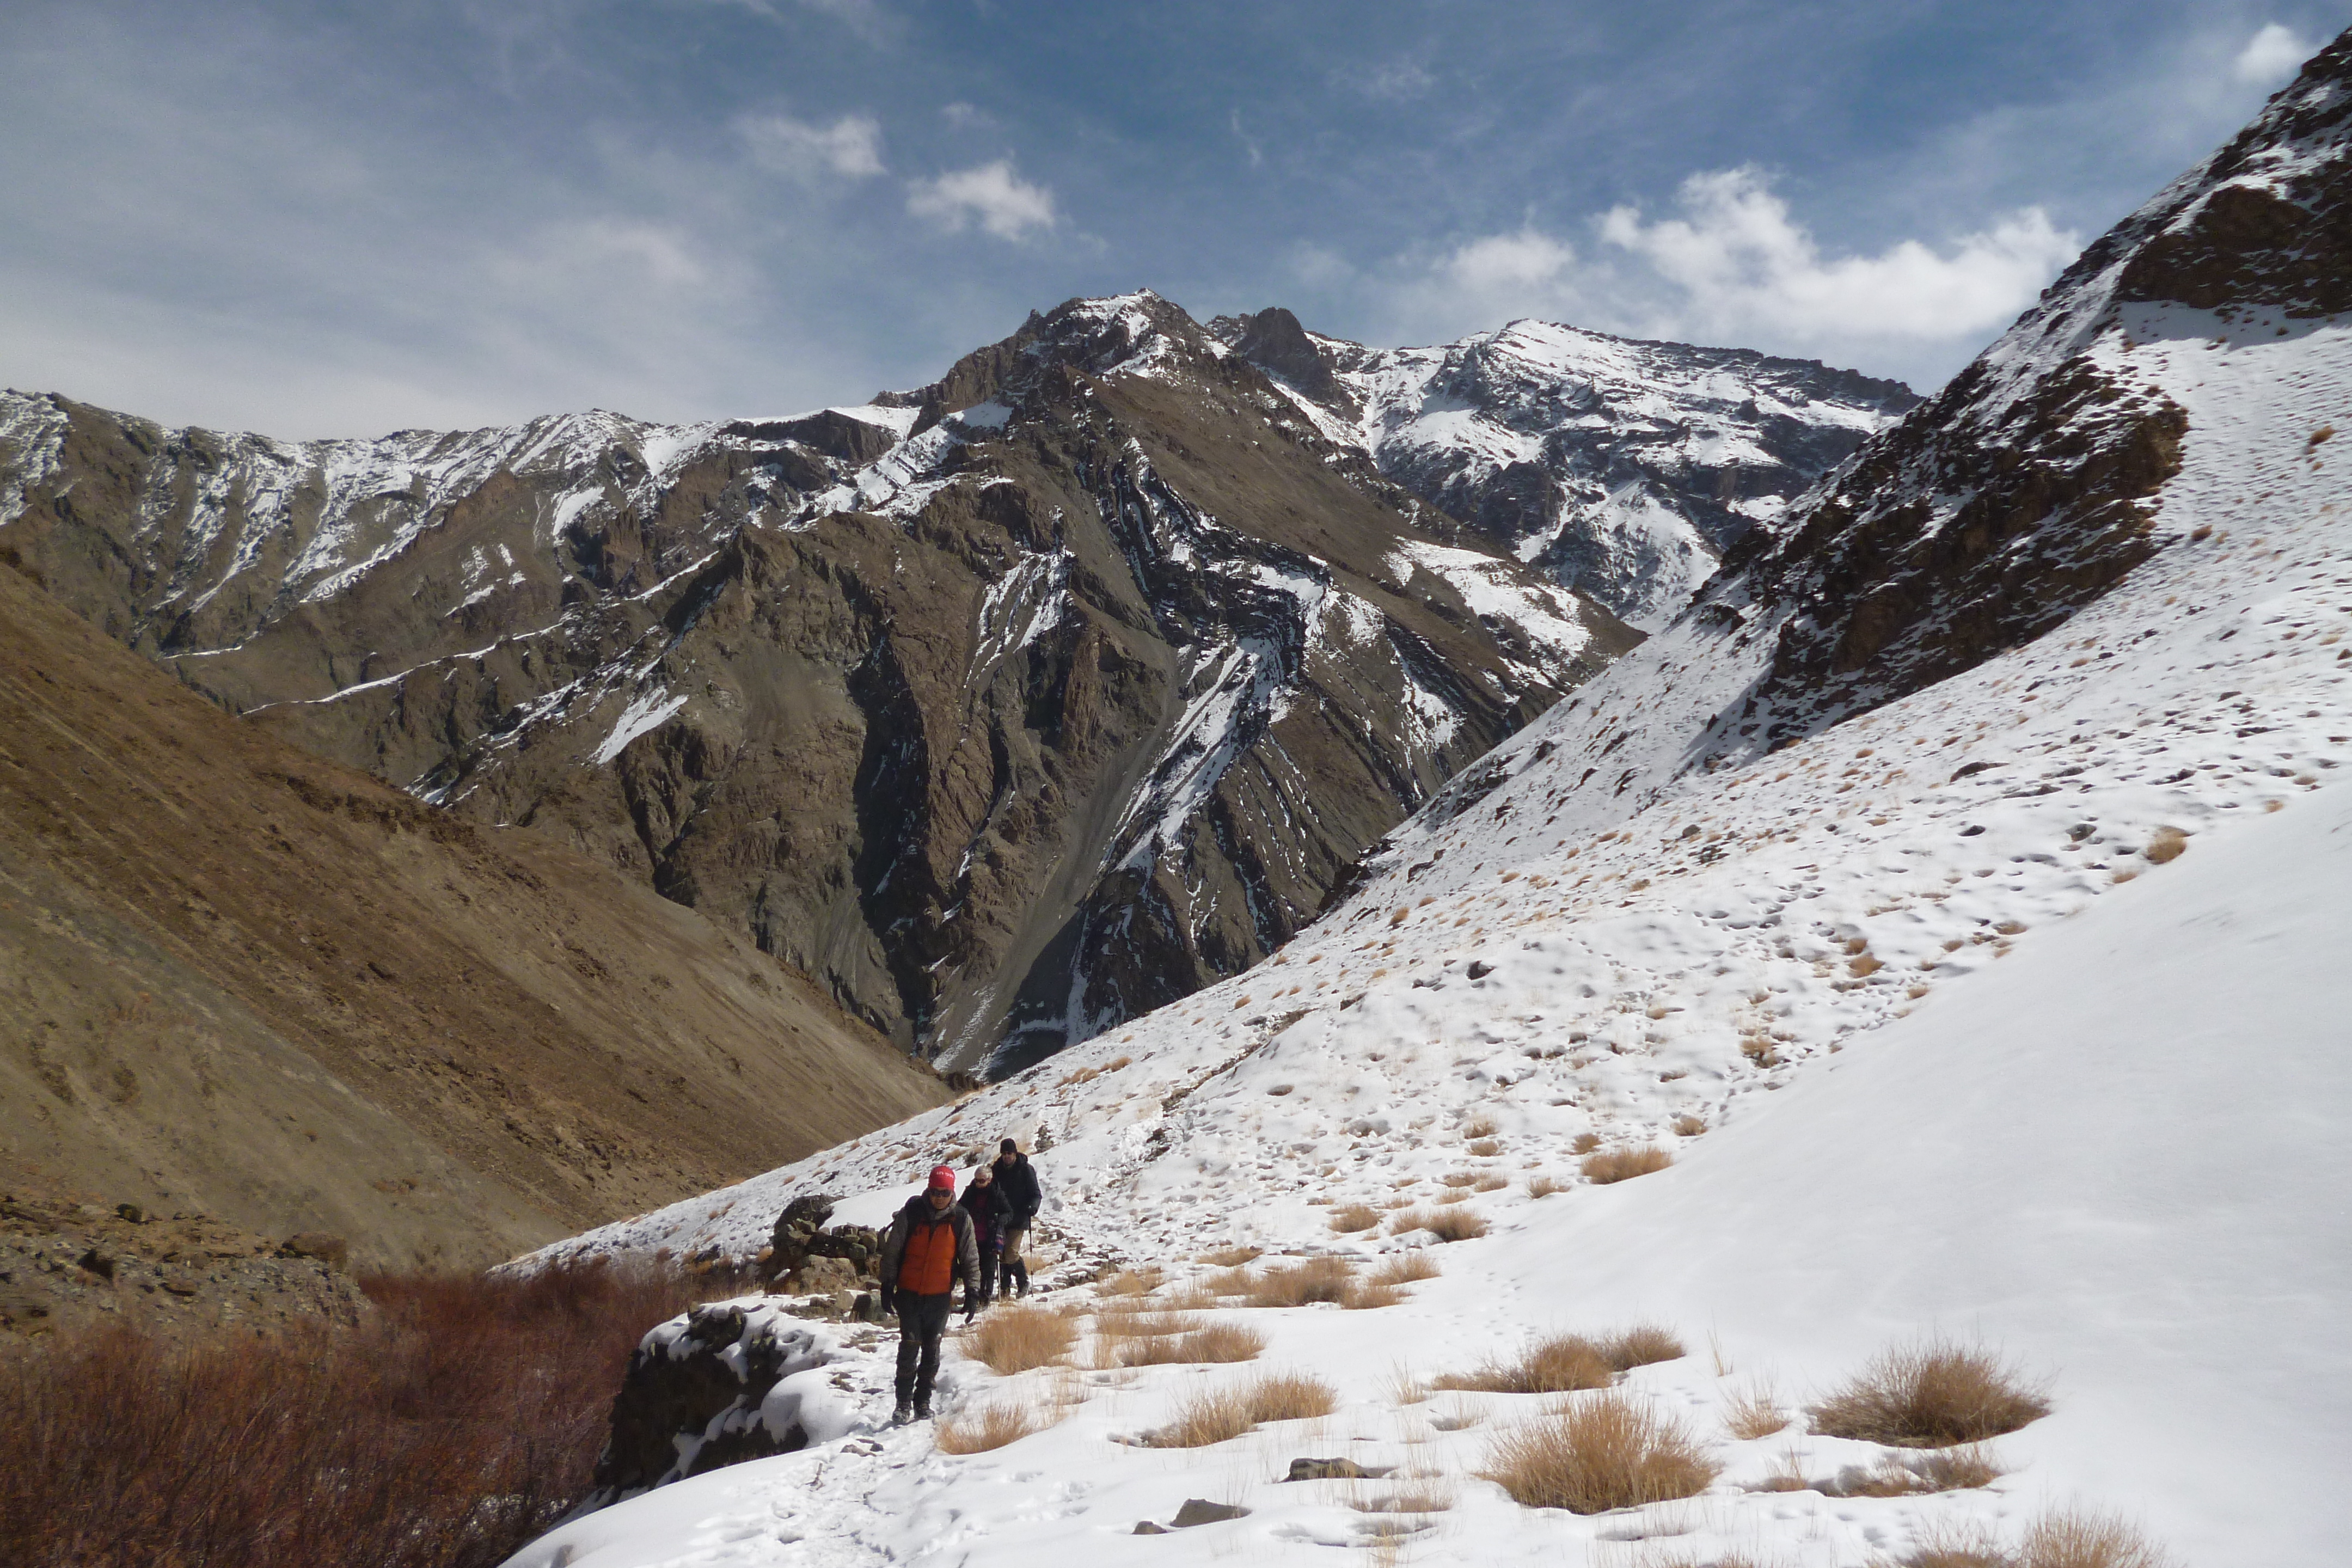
x: 930, y: 1247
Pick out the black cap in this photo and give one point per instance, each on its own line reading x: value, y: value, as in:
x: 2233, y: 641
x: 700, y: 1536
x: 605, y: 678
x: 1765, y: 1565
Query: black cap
x: 1009, y: 1147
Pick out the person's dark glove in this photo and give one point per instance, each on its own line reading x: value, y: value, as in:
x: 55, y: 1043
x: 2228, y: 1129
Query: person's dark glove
x: 889, y: 1302
x: 971, y: 1305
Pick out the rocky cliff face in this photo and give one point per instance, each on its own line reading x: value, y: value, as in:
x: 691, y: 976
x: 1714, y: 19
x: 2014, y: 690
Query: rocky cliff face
x: 1620, y: 467
x: 1009, y: 707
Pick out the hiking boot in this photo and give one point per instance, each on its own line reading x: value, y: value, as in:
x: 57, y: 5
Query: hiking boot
x: 922, y: 1410
x: 904, y: 1413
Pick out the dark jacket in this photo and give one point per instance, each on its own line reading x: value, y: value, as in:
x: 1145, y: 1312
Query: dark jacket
x: 918, y: 1212
x: 1019, y: 1182
x: 988, y: 1212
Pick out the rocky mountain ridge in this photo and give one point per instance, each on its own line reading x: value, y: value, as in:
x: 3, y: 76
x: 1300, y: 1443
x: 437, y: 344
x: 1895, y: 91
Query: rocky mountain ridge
x: 1007, y: 708
x: 1622, y: 467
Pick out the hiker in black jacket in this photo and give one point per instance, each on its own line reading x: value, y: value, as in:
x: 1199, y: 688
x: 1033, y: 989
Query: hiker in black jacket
x: 983, y: 1199
x: 1018, y: 1178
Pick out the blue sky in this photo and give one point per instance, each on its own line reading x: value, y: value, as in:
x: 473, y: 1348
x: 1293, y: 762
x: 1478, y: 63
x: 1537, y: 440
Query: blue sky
x: 315, y: 219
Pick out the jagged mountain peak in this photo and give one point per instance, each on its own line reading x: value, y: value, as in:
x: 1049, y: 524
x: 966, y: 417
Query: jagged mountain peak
x: 1619, y: 465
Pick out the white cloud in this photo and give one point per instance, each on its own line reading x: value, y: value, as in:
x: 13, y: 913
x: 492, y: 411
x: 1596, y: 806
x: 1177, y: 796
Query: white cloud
x: 1738, y: 261
x: 1002, y: 202
x: 851, y: 146
x: 1394, y: 81
x: 2271, y: 56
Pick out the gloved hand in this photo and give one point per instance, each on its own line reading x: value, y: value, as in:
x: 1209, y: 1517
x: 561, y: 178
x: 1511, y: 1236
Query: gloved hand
x: 889, y: 1302
x: 971, y: 1305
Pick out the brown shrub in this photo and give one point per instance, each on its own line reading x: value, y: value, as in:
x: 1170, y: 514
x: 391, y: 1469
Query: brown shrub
x: 1405, y: 1267
x: 1640, y: 1346
x: 1479, y: 1127
x: 1018, y: 1338
x: 1484, y: 1148
x: 1586, y: 1142
x: 1448, y: 1224
x: 378, y: 1444
x: 2165, y: 845
x: 992, y: 1428
x: 1458, y: 1178
x: 1544, y: 1185
x: 1216, y: 1415
x: 1600, y: 1454
x: 1354, y: 1217
x: 2074, y: 1538
x: 1624, y: 1165
x: 1753, y: 1415
x: 1135, y: 1341
x: 1365, y: 1297
x: 1688, y: 1126
x: 1490, y: 1184
x: 1315, y: 1280
x: 1560, y: 1365
x: 1932, y: 1394
x: 1289, y: 1396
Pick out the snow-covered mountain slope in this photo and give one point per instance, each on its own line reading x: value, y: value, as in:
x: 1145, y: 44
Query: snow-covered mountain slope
x: 2132, y: 1187
x: 1919, y: 888
x: 1009, y: 707
x: 1622, y: 467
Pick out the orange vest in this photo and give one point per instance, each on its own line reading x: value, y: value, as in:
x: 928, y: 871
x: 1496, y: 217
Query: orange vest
x: 928, y: 1265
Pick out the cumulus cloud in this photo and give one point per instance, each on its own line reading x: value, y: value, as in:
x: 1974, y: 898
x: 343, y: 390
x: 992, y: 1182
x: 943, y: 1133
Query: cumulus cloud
x: 850, y: 147
x: 1732, y: 264
x: 2271, y: 56
x: 1736, y: 257
x: 990, y: 195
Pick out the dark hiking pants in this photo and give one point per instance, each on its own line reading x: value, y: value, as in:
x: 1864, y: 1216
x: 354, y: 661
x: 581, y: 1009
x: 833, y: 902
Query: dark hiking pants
x: 922, y: 1321
x: 988, y: 1256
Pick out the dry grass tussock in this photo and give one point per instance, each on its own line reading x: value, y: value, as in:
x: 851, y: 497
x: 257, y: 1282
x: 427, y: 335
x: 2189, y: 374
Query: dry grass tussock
x: 1914, y: 1475
x: 1479, y: 1127
x: 1131, y: 1342
x: 1351, y: 1217
x: 1131, y: 1282
x: 1016, y: 1338
x: 1543, y: 1186
x: 1624, y: 1165
x: 1564, y: 1363
x: 1218, y: 1415
x: 1313, y: 1279
x: 2165, y: 845
x: 1600, y: 1454
x: 1754, y: 1413
x: 1412, y: 1497
x: 1231, y: 1257
x: 378, y: 1444
x: 1445, y: 1224
x: 2067, y: 1538
x: 1484, y: 1148
x: 1457, y: 1178
x: 1931, y: 1394
x: 1404, y: 1269
x: 993, y: 1426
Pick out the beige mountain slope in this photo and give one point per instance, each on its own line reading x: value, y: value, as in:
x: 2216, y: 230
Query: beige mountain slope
x: 240, y: 980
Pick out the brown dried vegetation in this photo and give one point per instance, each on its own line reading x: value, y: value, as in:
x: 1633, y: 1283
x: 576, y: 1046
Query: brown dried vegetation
x: 1597, y: 1455
x: 1931, y: 1394
x: 1624, y: 1165
x: 378, y: 1444
x: 1014, y: 1339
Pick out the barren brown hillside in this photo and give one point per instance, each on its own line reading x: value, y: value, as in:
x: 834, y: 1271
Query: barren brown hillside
x: 237, y: 979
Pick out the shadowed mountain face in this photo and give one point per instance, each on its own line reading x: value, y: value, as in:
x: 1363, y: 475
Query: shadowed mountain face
x: 1007, y: 709
x: 1620, y: 467
x: 242, y: 980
